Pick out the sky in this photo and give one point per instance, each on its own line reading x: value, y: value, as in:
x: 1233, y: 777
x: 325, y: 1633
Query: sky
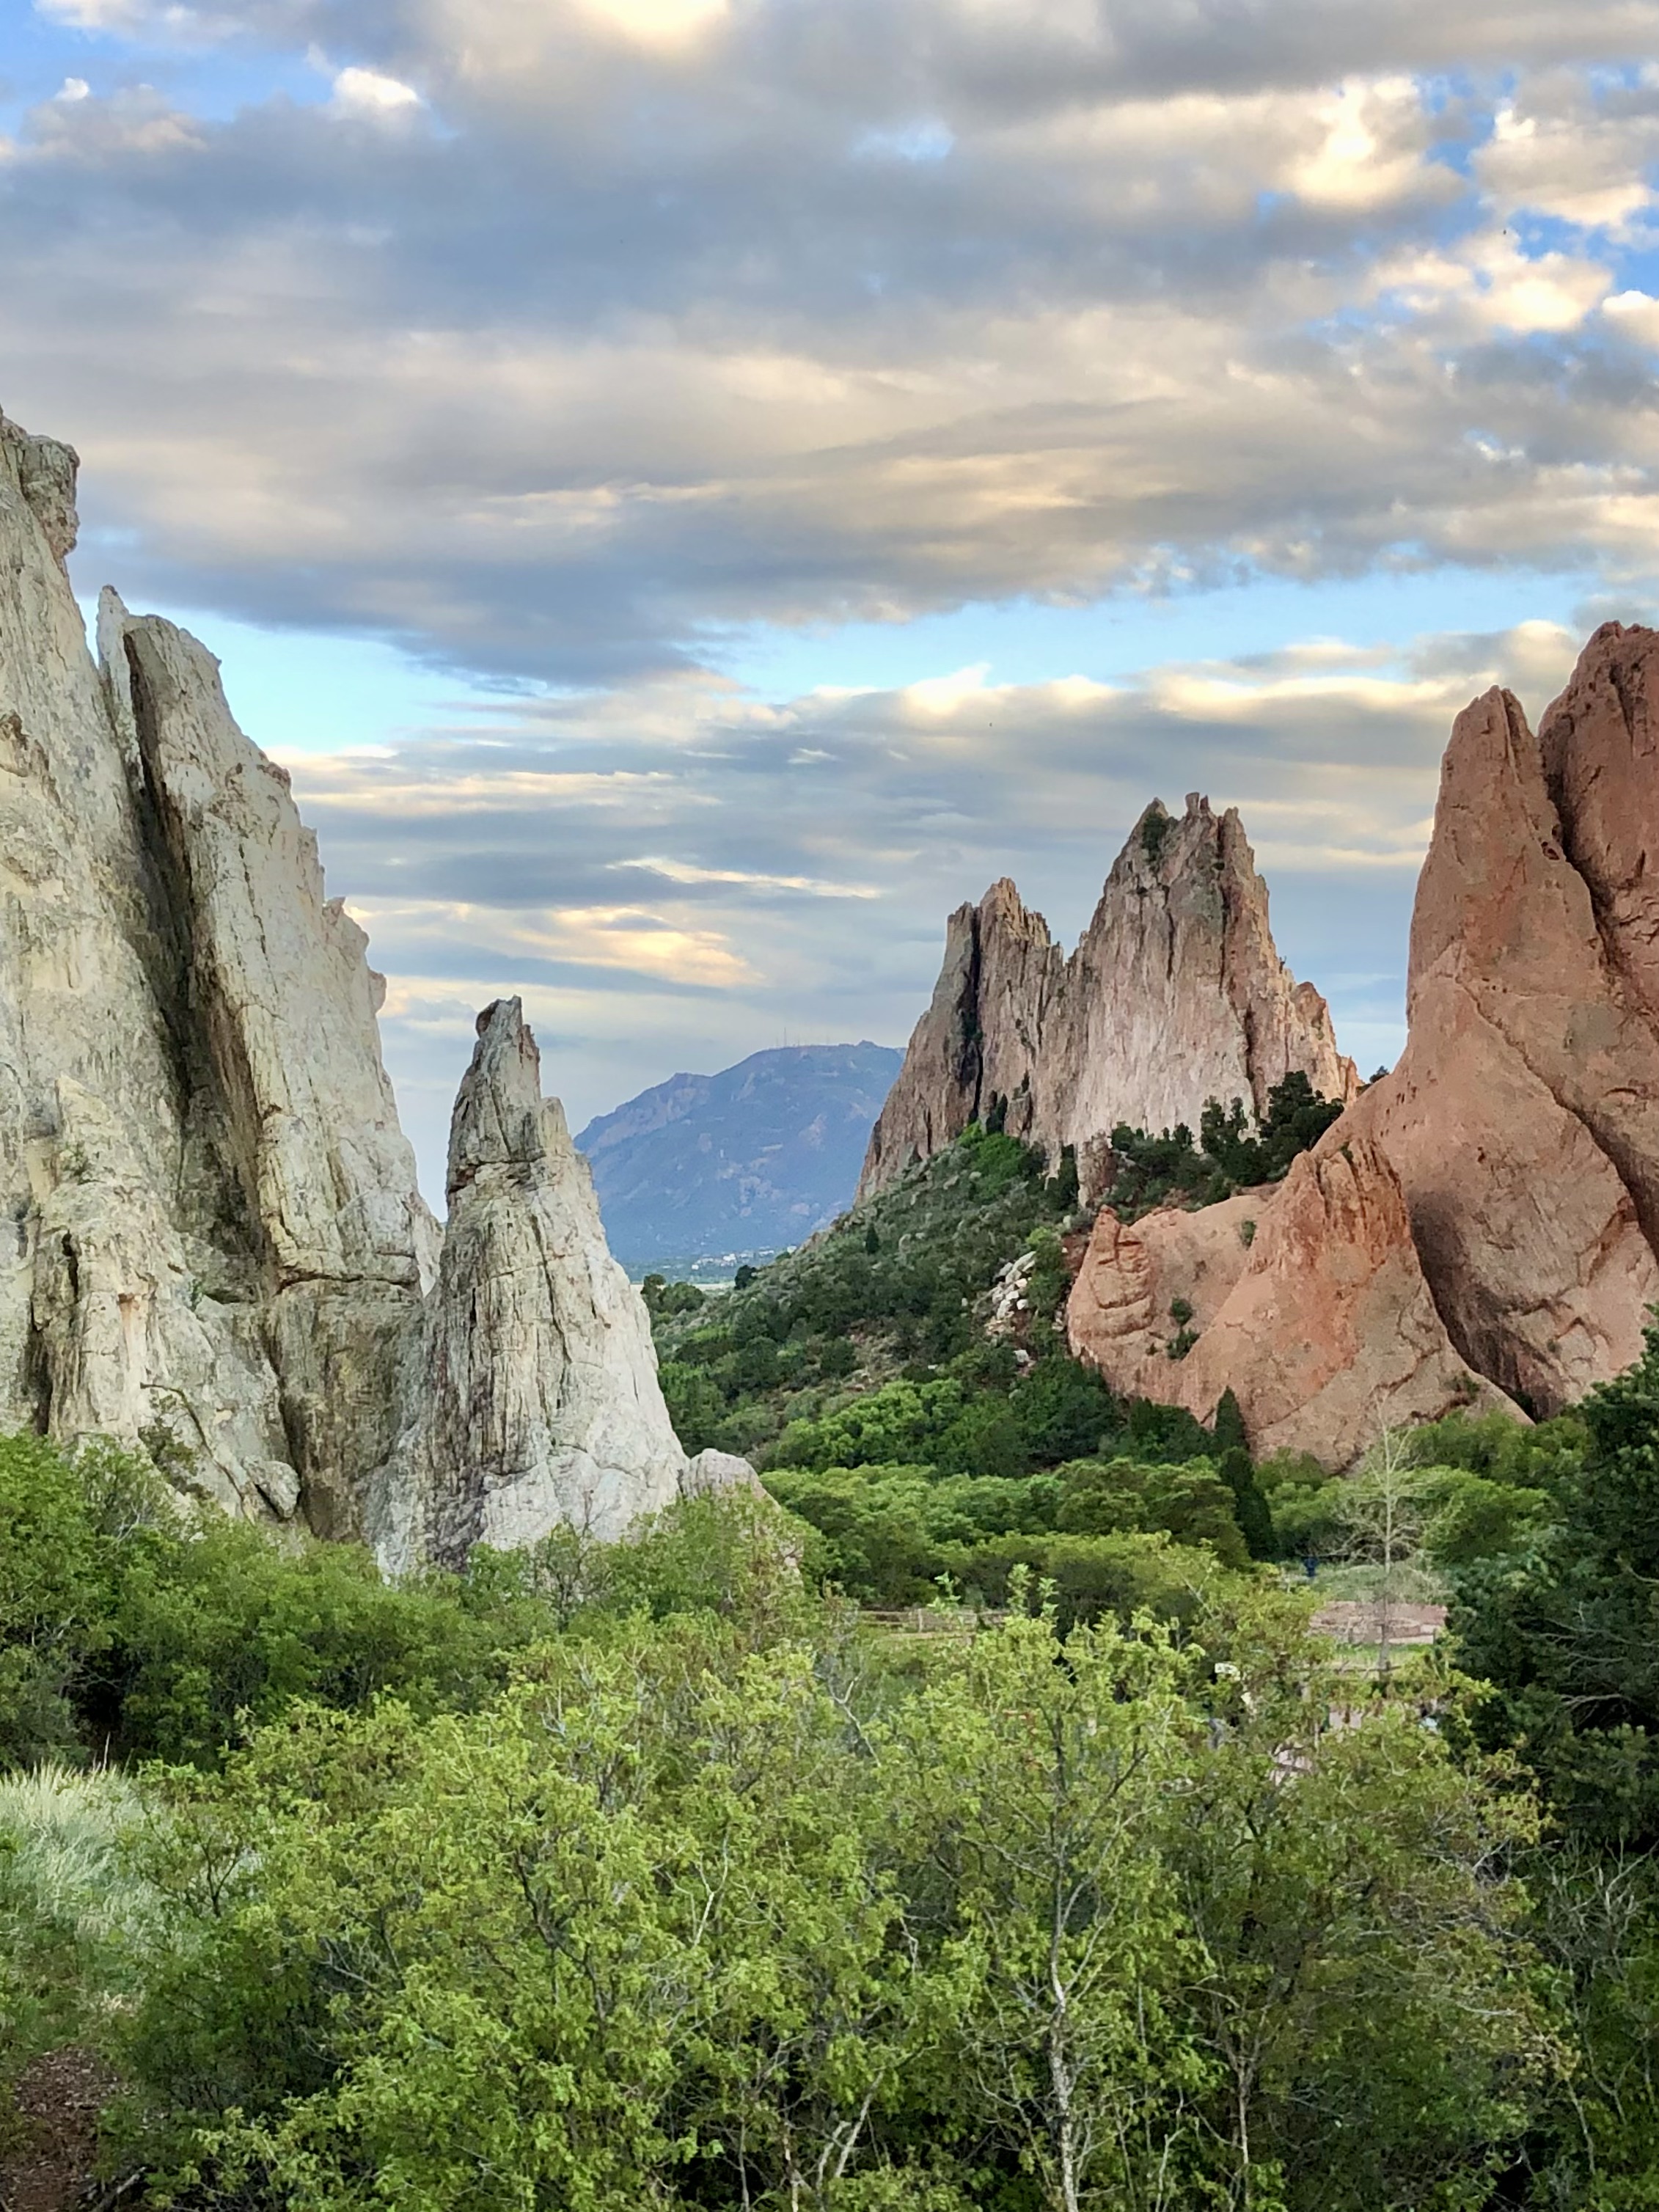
x: 694, y: 489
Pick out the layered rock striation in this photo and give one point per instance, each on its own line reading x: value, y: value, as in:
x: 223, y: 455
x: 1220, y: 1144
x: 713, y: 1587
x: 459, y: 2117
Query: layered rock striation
x: 214, y: 1242
x: 1175, y: 994
x: 1521, y: 1126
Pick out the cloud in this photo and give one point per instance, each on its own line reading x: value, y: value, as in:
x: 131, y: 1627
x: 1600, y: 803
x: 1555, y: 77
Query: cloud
x: 558, y: 342
x: 574, y: 343
x: 366, y: 95
x: 1566, y: 156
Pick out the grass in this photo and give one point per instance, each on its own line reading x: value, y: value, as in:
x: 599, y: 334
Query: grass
x: 74, y: 1912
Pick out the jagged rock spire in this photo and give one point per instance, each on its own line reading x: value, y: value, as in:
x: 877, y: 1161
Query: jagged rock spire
x: 216, y: 1240
x: 1174, y: 995
x: 533, y: 1397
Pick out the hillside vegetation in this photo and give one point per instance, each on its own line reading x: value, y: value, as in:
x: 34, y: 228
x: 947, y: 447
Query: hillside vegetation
x: 664, y: 1874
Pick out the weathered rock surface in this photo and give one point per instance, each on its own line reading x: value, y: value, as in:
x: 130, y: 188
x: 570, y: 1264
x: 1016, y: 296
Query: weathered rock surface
x: 1330, y: 1335
x: 1118, y: 1315
x: 213, y: 1238
x: 1521, y: 1124
x: 1174, y: 995
x: 532, y: 1398
x: 1523, y: 1118
x: 980, y: 1039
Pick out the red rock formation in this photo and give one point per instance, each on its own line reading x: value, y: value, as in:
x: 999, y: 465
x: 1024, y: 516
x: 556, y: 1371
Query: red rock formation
x: 1118, y: 1315
x: 1330, y: 1335
x: 1174, y: 995
x: 1522, y: 1123
x: 1523, y: 1119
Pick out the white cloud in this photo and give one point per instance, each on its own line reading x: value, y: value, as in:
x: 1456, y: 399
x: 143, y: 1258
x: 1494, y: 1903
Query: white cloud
x: 367, y: 95
x: 1372, y: 151
x: 659, y: 23
x: 1636, y: 314
x: 1567, y: 159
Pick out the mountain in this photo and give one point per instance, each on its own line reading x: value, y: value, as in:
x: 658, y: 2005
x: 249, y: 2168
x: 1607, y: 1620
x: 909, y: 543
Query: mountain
x: 1175, y: 994
x: 1510, y: 1161
x: 747, y: 1161
x: 215, y: 1245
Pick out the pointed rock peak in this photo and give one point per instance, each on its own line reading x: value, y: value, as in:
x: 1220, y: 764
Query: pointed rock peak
x: 499, y: 1120
x: 1003, y: 908
x: 1162, y: 845
x: 44, y: 471
x: 1599, y: 744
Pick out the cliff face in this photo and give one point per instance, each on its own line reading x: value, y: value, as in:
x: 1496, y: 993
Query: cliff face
x: 1175, y: 994
x: 1521, y: 1126
x: 215, y: 1240
x: 980, y: 1039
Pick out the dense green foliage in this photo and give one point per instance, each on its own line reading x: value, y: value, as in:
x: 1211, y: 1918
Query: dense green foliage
x: 739, y: 1908
x: 922, y: 1452
x: 659, y: 1874
x: 1228, y: 1155
x: 894, y: 1285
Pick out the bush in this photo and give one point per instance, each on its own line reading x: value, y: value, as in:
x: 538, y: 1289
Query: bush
x: 1153, y: 1170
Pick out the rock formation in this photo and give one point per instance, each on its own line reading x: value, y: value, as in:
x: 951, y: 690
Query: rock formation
x: 216, y: 1239
x: 532, y: 1395
x: 1520, y: 1125
x: 1324, y: 1327
x: 1174, y: 995
x: 1138, y: 1279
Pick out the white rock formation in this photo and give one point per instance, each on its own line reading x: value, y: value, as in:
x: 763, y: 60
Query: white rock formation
x: 1175, y: 994
x: 213, y: 1237
x: 532, y: 1398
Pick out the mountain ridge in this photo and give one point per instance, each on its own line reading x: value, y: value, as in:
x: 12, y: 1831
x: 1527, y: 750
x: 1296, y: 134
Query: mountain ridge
x: 744, y: 1161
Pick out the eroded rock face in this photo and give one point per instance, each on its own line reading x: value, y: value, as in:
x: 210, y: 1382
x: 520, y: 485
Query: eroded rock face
x: 531, y: 1399
x: 213, y: 1236
x: 980, y: 1039
x: 1523, y: 1118
x: 1125, y: 1311
x: 1521, y: 1126
x: 1330, y: 1335
x: 1175, y: 994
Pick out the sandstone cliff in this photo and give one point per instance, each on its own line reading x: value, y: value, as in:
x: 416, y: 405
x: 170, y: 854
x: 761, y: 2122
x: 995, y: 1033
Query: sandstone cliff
x: 1175, y: 994
x: 1324, y: 1329
x: 214, y: 1241
x: 1522, y: 1123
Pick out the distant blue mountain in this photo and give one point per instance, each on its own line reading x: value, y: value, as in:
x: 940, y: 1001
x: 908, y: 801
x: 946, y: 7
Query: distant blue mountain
x: 745, y: 1162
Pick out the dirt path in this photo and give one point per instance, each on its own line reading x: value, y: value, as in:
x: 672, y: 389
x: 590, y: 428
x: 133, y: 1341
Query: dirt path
x: 53, y: 2168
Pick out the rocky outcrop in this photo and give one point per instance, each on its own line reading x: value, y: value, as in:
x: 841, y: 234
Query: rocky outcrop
x: 1522, y: 1122
x: 1523, y: 1118
x: 531, y: 1398
x: 1143, y: 1286
x: 289, y: 1103
x: 980, y: 1039
x: 214, y: 1243
x: 1330, y: 1335
x: 1175, y: 994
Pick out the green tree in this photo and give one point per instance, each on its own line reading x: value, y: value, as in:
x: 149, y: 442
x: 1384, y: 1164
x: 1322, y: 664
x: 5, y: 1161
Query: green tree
x: 1039, y: 1790
x: 1368, y: 2000
x: 1233, y: 1463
